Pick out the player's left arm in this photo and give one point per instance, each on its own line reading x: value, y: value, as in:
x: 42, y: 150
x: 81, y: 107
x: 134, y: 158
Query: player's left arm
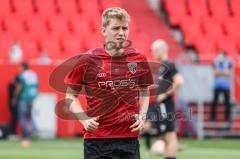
x: 144, y: 94
x: 178, y: 81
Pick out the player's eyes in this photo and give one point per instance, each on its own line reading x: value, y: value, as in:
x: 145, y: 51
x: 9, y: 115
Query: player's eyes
x: 117, y: 28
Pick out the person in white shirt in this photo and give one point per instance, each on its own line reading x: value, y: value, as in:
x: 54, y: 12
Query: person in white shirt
x: 15, y: 53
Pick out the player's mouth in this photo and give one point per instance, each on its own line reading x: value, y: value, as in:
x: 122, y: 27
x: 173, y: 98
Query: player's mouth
x: 120, y: 39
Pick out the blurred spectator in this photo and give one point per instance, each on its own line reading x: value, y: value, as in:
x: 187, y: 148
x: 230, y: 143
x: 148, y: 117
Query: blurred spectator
x: 26, y: 90
x: 222, y: 83
x: 44, y: 59
x: 12, y: 106
x: 155, y: 4
x: 15, y: 53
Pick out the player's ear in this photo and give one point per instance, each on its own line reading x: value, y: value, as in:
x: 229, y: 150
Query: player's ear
x: 103, y: 31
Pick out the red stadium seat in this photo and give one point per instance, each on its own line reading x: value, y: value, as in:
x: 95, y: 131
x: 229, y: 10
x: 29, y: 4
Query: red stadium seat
x: 143, y: 44
x: 113, y: 3
x: 191, y: 30
x: 29, y: 47
x: 15, y: 36
x: 58, y: 24
x: 198, y: 9
x: 23, y: 8
x: 15, y: 25
x: 52, y: 46
x: 238, y: 46
x: 91, y: 8
x: 81, y: 25
x: 205, y: 46
x: 5, y: 46
x: 228, y: 44
x: 93, y: 23
x: 5, y: 7
x: 219, y: 9
x: 67, y: 8
x: 235, y: 7
x: 212, y: 28
x: 37, y: 27
x: 133, y: 27
x: 206, y: 49
x: 231, y: 27
x: 177, y: 11
x: 72, y: 47
x: 46, y: 7
x: 92, y: 40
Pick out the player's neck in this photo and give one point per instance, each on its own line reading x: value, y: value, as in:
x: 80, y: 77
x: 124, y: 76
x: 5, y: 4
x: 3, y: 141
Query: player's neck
x: 115, y: 53
x: 164, y: 58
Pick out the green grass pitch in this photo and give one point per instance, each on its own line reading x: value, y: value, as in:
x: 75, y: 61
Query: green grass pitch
x: 73, y: 149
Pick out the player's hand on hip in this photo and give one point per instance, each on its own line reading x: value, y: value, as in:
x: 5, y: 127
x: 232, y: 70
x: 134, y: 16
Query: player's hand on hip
x: 138, y: 125
x: 90, y: 125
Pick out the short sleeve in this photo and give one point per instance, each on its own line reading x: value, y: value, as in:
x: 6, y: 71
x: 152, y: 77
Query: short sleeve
x: 173, y: 70
x: 76, y: 76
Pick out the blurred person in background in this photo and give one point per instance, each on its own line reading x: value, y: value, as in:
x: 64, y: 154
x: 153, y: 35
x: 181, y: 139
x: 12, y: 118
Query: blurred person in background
x: 26, y: 91
x: 44, y: 59
x: 222, y: 84
x: 15, y: 53
x: 12, y: 107
x: 164, y: 103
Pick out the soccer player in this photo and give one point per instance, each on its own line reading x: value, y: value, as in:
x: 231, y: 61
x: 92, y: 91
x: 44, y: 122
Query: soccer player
x: 116, y: 78
x: 164, y: 103
x: 26, y: 91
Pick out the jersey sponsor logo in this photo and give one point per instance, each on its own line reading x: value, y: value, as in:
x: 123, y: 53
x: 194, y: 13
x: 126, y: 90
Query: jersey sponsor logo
x: 101, y: 75
x: 132, y: 66
x: 130, y: 83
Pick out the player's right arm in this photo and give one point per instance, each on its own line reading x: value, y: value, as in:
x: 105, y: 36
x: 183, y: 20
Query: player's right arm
x: 89, y: 124
x: 83, y: 72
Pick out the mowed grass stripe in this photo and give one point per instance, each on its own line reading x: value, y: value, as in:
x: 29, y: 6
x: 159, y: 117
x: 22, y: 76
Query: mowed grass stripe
x: 73, y: 149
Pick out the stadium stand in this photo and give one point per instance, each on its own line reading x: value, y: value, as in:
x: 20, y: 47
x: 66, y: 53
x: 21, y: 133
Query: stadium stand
x: 208, y: 26
x: 218, y: 23
x: 46, y: 21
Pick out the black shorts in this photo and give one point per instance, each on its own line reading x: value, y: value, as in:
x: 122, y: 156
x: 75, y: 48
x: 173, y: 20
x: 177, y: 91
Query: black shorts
x: 111, y: 148
x: 162, y: 115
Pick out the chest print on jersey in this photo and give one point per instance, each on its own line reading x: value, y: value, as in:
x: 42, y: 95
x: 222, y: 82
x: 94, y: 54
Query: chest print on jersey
x: 132, y: 66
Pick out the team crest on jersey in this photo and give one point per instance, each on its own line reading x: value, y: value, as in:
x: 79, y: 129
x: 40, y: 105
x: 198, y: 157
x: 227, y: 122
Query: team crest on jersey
x: 132, y: 66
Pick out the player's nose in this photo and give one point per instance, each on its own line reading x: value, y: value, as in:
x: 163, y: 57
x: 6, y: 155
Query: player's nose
x: 121, y: 32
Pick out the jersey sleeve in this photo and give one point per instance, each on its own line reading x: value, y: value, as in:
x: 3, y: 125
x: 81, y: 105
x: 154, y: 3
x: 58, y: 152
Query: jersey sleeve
x: 146, y: 79
x: 76, y: 76
x: 173, y: 70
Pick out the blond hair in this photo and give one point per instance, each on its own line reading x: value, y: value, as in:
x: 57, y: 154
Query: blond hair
x: 114, y: 12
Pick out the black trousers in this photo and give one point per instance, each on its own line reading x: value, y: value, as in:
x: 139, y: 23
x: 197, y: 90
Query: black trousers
x: 14, y: 119
x: 226, y: 93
